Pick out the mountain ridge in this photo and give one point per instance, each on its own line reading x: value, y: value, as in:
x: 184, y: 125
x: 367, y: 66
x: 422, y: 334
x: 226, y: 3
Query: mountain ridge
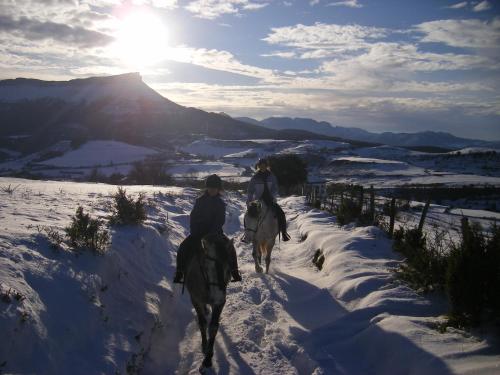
x: 120, y: 107
x: 419, y: 139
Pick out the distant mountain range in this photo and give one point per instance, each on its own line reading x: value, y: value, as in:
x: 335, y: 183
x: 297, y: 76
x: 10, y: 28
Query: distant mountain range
x: 35, y: 114
x: 427, y: 138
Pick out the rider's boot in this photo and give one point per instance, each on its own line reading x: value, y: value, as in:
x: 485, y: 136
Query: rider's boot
x: 235, y: 275
x: 179, y: 277
x: 245, y: 238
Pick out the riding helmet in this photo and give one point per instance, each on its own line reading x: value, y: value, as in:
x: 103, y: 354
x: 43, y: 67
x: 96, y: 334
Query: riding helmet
x: 262, y: 161
x: 213, y: 181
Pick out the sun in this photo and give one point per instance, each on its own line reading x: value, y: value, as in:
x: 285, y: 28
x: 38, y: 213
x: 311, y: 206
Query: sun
x: 141, y: 40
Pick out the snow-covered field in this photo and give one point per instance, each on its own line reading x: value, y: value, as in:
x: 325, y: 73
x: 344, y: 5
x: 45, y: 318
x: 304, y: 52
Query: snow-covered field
x: 381, y: 166
x: 100, y: 153
x: 120, y: 313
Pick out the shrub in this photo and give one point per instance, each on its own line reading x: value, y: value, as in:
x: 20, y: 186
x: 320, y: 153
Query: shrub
x: 96, y: 176
x: 126, y: 210
x: 85, y: 232
x: 426, y: 260
x: 150, y: 172
x: 54, y: 237
x: 348, y: 211
x: 473, y: 275
x: 116, y: 178
x: 290, y: 170
x: 318, y: 259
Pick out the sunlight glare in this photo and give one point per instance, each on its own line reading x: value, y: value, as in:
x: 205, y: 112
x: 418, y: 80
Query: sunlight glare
x: 141, y: 40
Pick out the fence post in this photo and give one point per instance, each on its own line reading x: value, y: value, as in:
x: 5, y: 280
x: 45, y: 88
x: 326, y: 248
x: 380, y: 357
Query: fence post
x: 372, y: 204
x: 424, y: 214
x: 393, y: 216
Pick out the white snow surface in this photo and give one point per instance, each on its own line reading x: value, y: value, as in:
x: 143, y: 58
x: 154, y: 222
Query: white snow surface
x: 88, y: 314
x: 203, y: 169
x: 100, y: 153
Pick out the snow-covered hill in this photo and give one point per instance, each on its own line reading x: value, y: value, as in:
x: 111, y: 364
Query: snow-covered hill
x: 125, y: 87
x: 119, y: 313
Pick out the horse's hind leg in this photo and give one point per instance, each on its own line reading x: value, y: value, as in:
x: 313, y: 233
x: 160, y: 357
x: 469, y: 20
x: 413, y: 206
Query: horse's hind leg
x: 212, y: 332
x: 257, y: 257
x: 269, y: 249
x: 201, y: 311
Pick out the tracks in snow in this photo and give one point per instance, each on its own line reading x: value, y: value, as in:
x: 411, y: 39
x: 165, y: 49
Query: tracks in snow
x: 260, y: 323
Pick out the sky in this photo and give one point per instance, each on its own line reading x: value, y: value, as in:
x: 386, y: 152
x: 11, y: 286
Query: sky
x: 382, y: 65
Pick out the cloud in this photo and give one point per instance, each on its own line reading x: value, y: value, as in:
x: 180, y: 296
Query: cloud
x: 33, y: 29
x: 460, y: 5
x: 219, y: 60
x: 313, y: 2
x: 325, y: 36
x: 482, y: 6
x: 162, y: 4
x: 347, y: 3
x: 212, y: 9
x: 392, y: 58
x: 375, y: 113
x: 468, y: 33
x: 255, y: 6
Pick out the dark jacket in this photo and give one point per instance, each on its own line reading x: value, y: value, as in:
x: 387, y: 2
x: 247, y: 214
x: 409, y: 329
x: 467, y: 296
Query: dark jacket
x: 208, y: 215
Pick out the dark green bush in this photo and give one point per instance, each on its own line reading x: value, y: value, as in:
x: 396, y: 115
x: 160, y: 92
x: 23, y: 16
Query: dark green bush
x: 126, y: 210
x: 426, y: 262
x: 473, y: 275
x: 348, y: 211
x: 85, y: 232
x: 290, y: 170
x: 150, y: 172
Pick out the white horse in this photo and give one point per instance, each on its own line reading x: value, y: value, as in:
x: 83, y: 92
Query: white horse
x: 261, y: 227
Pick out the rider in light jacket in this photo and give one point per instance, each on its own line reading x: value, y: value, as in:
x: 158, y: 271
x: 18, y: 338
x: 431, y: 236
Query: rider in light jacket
x: 264, y: 186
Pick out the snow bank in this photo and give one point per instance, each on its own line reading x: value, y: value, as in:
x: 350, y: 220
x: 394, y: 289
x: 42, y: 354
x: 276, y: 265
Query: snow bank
x: 378, y: 325
x: 82, y: 313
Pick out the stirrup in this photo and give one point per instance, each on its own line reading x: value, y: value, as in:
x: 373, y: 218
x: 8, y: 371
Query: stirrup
x: 245, y: 239
x: 179, y: 277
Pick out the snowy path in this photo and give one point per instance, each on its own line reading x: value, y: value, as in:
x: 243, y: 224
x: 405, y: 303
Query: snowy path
x: 120, y: 313
x: 350, y: 318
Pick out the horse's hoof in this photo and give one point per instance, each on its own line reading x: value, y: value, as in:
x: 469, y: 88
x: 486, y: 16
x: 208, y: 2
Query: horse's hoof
x: 258, y: 269
x: 207, y: 362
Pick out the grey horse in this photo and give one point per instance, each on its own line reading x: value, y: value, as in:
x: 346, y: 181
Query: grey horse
x: 206, y: 280
x: 261, y: 226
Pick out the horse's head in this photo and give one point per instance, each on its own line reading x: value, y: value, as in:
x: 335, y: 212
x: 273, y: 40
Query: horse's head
x: 217, y: 246
x: 254, y: 209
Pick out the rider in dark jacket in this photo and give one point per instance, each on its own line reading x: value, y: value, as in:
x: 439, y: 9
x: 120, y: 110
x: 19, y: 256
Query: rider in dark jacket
x: 207, y: 217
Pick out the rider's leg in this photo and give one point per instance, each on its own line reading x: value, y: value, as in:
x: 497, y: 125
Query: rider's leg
x: 184, y: 255
x: 280, y: 214
x: 233, y: 262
